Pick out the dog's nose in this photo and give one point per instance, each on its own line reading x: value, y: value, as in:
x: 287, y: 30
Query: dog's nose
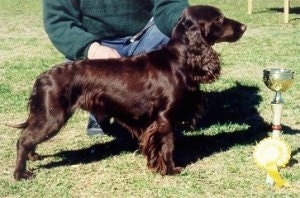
x: 243, y: 28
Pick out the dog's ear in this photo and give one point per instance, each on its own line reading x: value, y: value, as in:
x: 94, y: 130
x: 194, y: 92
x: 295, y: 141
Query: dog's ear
x: 187, y: 30
x: 204, y: 64
x: 202, y: 60
x: 179, y: 30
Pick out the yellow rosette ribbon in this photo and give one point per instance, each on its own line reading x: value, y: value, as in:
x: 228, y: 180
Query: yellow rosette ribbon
x: 270, y: 154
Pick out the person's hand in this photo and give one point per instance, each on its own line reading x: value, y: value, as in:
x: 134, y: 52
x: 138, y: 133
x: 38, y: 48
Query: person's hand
x: 97, y: 51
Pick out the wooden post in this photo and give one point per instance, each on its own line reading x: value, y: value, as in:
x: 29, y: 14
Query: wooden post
x: 249, y: 6
x: 286, y: 8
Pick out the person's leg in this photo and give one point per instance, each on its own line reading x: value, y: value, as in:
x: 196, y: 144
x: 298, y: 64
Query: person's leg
x: 151, y: 39
x: 93, y: 127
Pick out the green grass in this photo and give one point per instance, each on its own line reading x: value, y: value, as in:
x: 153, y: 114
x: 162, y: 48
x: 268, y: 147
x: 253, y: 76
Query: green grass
x: 217, y: 156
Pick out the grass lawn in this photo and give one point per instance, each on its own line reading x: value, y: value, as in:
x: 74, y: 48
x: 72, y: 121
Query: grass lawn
x: 217, y: 156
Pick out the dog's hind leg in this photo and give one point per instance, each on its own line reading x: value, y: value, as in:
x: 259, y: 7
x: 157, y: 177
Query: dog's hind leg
x: 38, y: 131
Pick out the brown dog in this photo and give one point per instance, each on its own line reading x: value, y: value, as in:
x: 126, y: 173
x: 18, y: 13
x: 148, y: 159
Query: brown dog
x: 148, y: 94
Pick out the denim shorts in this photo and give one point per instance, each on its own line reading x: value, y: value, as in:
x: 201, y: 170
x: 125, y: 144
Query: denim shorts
x: 151, y: 39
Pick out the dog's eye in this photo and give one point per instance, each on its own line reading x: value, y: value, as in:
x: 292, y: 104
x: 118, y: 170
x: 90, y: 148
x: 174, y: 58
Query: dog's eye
x: 219, y: 19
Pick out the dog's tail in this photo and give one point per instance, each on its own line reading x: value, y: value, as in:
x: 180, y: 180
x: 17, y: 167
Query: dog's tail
x: 18, y: 126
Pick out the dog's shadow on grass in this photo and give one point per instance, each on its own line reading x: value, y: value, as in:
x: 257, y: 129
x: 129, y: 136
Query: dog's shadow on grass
x: 237, y: 105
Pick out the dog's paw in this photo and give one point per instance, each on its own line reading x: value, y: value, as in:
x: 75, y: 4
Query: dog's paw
x: 23, y: 175
x: 175, y: 171
x: 171, y: 171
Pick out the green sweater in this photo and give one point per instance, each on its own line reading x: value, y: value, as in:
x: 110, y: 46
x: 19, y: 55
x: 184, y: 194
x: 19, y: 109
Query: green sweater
x: 72, y: 25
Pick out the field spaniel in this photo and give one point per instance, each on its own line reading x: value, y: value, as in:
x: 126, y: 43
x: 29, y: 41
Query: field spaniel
x: 148, y: 94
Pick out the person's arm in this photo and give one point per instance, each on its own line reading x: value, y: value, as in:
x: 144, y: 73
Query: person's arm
x: 98, y: 51
x: 63, y: 26
x: 167, y: 12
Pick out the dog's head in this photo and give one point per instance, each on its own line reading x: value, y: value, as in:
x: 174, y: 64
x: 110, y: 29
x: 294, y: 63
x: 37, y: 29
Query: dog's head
x: 198, y: 29
x: 208, y: 23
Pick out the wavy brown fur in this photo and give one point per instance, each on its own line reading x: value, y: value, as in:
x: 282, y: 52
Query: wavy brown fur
x: 148, y: 94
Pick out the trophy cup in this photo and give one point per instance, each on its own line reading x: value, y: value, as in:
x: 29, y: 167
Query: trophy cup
x: 278, y: 80
x: 273, y: 152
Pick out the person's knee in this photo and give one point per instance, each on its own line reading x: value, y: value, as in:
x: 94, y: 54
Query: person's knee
x: 152, y: 39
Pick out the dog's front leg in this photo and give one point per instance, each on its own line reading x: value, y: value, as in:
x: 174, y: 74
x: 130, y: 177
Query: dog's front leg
x: 157, y: 144
x: 166, y: 154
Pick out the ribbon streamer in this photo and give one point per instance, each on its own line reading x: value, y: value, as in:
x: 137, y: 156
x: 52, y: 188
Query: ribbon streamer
x: 270, y: 154
x: 272, y: 171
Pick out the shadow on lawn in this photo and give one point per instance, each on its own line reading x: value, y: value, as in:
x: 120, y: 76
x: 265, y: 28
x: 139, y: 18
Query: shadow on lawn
x: 292, y: 10
x: 237, y: 105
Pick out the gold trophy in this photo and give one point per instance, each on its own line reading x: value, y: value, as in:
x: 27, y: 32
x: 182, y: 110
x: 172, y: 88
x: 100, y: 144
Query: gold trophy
x: 273, y: 152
